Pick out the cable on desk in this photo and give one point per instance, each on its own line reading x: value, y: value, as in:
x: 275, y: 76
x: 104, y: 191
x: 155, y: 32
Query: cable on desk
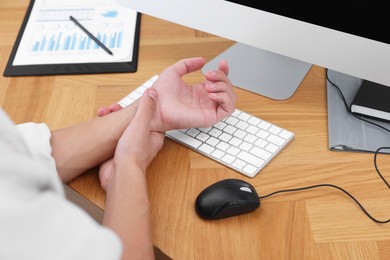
x: 337, y: 187
x: 332, y: 186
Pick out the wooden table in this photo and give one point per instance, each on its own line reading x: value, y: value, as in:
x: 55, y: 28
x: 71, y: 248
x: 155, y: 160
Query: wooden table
x: 316, y: 224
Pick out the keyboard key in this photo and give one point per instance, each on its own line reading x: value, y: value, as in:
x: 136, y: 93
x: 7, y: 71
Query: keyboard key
x: 229, y: 159
x: 249, y: 158
x: 254, y: 121
x: 202, y: 137
x: 235, y: 113
x: 233, y: 150
x: 217, y: 154
x: 215, y: 132
x: 225, y: 137
x: 242, y: 125
x: 264, y: 125
x: 252, y: 129
x: 250, y: 169
x: 239, y: 164
x: 193, y: 132
x: 286, y: 134
x: 261, y: 143
x: 244, y: 116
x: 220, y: 125
x: 240, y: 134
x: 263, y: 134
x: 223, y: 146
x: 261, y: 153
x: 235, y: 141
x: 212, y: 141
x: 275, y: 129
x: 271, y: 148
x: 246, y: 146
x: 231, y: 120
x: 206, y: 148
x: 250, y: 138
x: 276, y: 140
x: 230, y: 129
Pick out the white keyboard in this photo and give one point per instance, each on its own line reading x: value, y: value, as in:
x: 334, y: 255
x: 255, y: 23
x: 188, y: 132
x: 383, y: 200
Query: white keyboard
x: 243, y: 142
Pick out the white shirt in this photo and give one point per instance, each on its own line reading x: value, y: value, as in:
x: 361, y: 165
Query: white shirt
x: 36, y: 221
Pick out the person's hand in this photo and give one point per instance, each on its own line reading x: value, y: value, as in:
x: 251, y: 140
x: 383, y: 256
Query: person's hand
x: 184, y: 105
x: 138, y: 145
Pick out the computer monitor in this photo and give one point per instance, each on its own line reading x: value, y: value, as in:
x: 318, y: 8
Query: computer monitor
x: 277, y: 41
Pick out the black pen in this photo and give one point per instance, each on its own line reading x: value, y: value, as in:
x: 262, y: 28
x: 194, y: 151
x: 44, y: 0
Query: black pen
x: 96, y: 40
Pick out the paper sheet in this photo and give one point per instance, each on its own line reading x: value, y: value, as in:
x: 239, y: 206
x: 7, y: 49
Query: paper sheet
x: 50, y: 37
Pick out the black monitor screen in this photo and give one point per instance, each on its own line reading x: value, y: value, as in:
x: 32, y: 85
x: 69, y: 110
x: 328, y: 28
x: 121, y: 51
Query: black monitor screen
x: 365, y: 19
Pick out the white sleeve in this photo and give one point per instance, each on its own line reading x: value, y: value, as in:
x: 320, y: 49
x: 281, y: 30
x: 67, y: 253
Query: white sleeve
x: 36, y: 221
x: 36, y: 138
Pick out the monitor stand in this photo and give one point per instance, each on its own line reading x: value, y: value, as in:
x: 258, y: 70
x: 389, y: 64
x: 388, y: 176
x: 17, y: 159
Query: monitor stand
x: 266, y: 73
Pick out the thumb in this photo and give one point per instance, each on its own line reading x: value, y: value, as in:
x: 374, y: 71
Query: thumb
x: 186, y: 66
x: 146, y: 107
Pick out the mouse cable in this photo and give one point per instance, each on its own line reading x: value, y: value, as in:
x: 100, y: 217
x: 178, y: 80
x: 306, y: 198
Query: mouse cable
x: 334, y: 186
x: 341, y: 189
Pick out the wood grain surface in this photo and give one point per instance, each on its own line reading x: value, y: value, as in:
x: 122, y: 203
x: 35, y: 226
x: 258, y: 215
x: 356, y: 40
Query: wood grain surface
x: 316, y: 224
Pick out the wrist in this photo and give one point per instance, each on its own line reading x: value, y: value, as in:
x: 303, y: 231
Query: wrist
x: 157, y: 124
x: 123, y: 174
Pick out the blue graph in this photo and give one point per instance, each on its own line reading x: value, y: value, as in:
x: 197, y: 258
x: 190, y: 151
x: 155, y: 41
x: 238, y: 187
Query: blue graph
x: 75, y: 41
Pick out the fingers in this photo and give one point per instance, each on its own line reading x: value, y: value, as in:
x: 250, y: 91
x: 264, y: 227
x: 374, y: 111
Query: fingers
x: 220, y: 87
x: 219, y: 75
x: 225, y: 101
x: 107, y: 110
x: 115, y: 107
x: 223, y: 95
x: 186, y: 66
x: 103, y: 111
x: 220, y: 84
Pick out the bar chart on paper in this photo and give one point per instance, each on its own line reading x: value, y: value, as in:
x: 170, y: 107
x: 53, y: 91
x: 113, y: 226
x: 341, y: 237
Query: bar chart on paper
x: 61, y: 35
x: 75, y: 41
x: 52, y: 38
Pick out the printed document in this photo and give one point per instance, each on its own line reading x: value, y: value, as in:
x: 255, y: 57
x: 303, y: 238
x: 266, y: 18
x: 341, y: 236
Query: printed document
x: 50, y: 37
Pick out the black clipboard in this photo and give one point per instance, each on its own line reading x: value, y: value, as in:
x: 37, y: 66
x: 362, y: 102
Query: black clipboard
x: 70, y: 68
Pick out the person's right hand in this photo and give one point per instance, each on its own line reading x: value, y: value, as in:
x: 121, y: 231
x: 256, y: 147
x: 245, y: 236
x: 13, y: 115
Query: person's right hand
x: 138, y: 145
x: 127, y: 209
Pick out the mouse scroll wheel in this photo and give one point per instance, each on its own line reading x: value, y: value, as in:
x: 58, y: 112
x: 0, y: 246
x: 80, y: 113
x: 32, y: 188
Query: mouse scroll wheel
x: 246, y: 189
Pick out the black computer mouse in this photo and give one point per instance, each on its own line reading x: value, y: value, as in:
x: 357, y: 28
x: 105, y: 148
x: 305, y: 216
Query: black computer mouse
x: 226, y: 198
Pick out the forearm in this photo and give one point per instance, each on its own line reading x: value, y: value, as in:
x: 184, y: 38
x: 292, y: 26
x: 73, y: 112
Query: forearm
x: 86, y: 145
x: 127, y: 212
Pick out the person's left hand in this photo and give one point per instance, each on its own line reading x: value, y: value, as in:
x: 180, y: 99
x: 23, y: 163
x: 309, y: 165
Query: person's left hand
x: 182, y: 105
